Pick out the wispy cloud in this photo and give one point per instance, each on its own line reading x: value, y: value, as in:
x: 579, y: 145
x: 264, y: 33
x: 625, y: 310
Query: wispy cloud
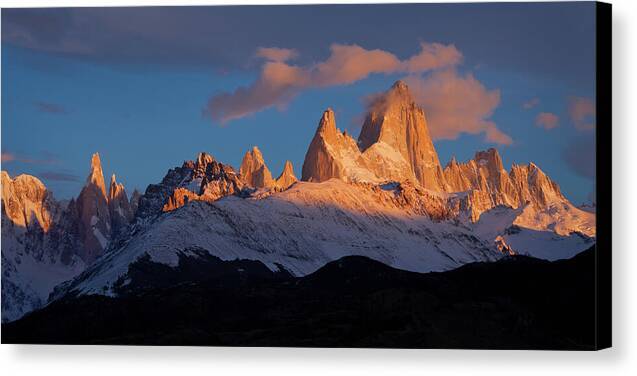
x: 280, y: 82
x: 582, y: 112
x: 50, y: 108
x: 58, y: 176
x: 46, y: 159
x: 547, y: 120
x: 531, y: 103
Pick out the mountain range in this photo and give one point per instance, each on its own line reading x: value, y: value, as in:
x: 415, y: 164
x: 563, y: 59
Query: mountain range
x: 384, y: 195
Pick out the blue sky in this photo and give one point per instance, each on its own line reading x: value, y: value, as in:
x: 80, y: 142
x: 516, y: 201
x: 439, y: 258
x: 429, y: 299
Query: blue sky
x: 135, y: 84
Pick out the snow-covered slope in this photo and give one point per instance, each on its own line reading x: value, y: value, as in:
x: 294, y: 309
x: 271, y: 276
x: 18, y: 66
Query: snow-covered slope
x: 300, y: 229
x: 522, y: 234
x: 45, y: 242
x: 36, y: 252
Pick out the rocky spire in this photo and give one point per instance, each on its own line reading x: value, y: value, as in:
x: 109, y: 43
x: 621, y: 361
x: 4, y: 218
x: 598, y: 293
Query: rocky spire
x: 94, y: 213
x: 287, y: 177
x: 395, y: 120
x: 331, y: 154
x: 96, y: 176
x: 254, y: 171
x: 119, y: 207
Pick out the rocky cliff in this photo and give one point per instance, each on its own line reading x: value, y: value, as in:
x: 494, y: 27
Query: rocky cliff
x: 254, y: 171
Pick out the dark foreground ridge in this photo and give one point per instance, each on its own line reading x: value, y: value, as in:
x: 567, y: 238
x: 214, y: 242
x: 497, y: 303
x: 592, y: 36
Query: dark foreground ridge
x: 516, y: 303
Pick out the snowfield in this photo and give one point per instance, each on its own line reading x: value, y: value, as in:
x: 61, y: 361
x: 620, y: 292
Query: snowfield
x: 310, y: 224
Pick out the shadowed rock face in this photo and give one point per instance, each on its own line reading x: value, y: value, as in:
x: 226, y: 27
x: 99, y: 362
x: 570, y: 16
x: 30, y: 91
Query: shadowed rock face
x: 94, y: 213
x: 119, y: 206
x: 39, y: 244
x: 516, y: 303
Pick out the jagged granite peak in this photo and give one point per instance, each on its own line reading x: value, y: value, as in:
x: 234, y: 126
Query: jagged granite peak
x: 488, y: 185
x: 201, y: 164
x: 96, y: 176
x: 94, y: 213
x: 333, y: 154
x: 202, y: 179
x: 287, y: 177
x: 254, y: 170
x: 395, y: 120
x: 394, y: 145
x: 119, y: 206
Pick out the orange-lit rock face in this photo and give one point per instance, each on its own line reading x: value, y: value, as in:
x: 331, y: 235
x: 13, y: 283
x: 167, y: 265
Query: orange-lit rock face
x: 26, y: 201
x: 287, y: 177
x: 396, y: 121
x: 254, y: 171
x: 206, y: 180
x: 394, y: 145
x: 179, y: 198
x: 488, y: 184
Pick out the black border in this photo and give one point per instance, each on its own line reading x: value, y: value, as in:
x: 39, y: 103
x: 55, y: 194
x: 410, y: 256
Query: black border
x: 603, y: 251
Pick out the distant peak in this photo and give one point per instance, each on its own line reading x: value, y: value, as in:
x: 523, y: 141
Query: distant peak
x: 96, y: 176
x: 256, y: 152
x: 328, y: 114
x: 489, y: 157
x: 288, y: 167
x: 96, y: 163
x: 400, y: 85
x: 327, y: 122
x: 113, y: 180
x: 204, y: 158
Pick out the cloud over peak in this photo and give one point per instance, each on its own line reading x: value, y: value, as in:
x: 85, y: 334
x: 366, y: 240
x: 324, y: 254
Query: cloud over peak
x: 456, y: 104
x: 58, y: 176
x: 279, y: 82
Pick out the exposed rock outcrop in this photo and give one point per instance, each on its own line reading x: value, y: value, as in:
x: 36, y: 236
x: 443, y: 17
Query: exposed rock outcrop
x: 134, y: 201
x: 39, y: 242
x: 287, y: 177
x: 488, y: 184
x: 26, y: 202
x: 202, y: 180
x: 395, y: 120
x: 94, y: 214
x: 394, y: 145
x: 254, y: 171
x: 119, y: 206
x: 334, y: 154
